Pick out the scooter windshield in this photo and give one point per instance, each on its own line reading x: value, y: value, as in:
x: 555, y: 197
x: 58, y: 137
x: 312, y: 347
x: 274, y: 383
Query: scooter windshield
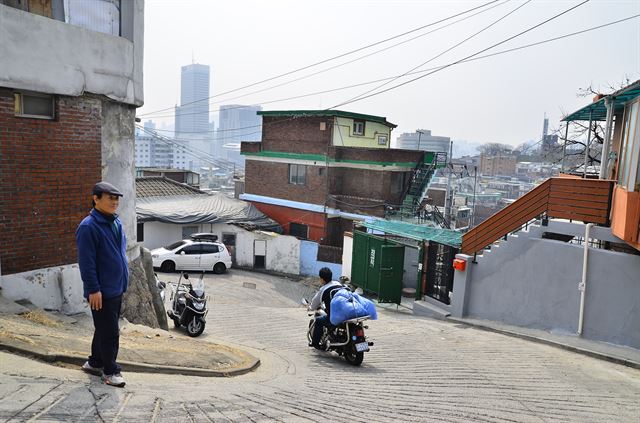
x: 198, y: 287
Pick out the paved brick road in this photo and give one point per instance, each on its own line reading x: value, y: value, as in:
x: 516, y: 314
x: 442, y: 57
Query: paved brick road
x: 418, y: 370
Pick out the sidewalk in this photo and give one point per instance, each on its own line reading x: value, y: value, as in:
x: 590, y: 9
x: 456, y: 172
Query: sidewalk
x: 626, y: 356
x: 66, y: 340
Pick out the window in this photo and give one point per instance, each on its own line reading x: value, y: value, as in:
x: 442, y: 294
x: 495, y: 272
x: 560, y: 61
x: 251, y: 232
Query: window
x: 628, y: 173
x: 299, y: 230
x: 40, y: 106
x: 297, y: 174
x: 358, y: 127
x: 191, y: 250
x: 229, y: 239
x: 210, y: 249
x: 188, y: 230
x: 382, y: 140
x: 140, y: 232
x: 174, y: 245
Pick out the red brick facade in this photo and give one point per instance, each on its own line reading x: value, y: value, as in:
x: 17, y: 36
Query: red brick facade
x: 47, y: 169
x: 271, y: 179
x: 297, y: 135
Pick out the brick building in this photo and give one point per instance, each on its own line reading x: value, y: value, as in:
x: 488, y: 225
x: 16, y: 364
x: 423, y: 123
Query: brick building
x: 316, y: 171
x: 498, y: 164
x: 68, y: 93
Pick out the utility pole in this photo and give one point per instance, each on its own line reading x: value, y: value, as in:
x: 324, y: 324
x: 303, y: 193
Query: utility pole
x: 419, y: 136
x: 475, y: 182
x: 447, y: 198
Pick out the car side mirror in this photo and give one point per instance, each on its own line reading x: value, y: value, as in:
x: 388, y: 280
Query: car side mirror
x: 182, y: 253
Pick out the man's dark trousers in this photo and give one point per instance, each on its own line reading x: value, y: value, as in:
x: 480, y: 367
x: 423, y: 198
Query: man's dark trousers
x: 321, y: 322
x: 106, y: 337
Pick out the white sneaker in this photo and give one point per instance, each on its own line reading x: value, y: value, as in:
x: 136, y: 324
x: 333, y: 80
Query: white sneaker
x: 114, y: 380
x: 96, y: 371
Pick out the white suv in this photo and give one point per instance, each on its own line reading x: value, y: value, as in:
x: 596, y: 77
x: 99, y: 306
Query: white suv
x: 201, y: 252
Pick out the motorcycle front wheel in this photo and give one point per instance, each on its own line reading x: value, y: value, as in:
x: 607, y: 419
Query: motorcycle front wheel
x: 195, y: 327
x: 353, y: 357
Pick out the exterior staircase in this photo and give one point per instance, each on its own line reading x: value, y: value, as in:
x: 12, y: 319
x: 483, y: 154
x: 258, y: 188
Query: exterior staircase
x: 574, y: 199
x: 411, y: 206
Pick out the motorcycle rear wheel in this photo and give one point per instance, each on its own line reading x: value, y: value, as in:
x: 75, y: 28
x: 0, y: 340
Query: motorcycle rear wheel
x: 353, y: 357
x: 195, y: 327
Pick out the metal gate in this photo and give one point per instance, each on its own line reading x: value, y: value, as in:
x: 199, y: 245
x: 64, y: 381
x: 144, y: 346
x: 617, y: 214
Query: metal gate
x: 440, y: 271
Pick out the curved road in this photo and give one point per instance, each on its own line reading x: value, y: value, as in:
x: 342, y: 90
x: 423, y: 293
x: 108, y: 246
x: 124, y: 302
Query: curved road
x: 418, y: 370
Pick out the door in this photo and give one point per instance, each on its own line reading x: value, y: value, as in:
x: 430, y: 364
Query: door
x: 391, y: 270
x: 188, y: 258
x: 210, y: 256
x: 259, y: 253
x: 440, y: 271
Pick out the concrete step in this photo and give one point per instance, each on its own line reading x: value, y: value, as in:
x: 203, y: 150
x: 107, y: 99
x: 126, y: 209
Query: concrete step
x: 423, y: 308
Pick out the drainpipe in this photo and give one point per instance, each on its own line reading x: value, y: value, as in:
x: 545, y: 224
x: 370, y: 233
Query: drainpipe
x: 582, y: 287
x: 604, y: 158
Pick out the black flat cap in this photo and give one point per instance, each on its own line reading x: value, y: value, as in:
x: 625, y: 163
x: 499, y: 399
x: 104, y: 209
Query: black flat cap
x: 101, y: 187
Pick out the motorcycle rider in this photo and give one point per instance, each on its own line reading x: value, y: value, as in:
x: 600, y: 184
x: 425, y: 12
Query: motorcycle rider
x: 324, y: 295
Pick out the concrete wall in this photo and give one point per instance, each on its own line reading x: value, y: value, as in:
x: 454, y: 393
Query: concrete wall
x: 283, y: 252
x: 309, y: 264
x: 533, y: 282
x: 53, y: 288
x: 49, y: 56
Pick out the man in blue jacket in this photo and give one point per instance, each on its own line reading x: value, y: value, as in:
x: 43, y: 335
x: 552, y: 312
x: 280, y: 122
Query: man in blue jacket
x: 102, y: 258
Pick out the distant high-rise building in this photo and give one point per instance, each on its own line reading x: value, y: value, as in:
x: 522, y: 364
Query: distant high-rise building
x: 151, y: 150
x: 193, y: 137
x: 548, y: 141
x: 192, y: 116
x: 422, y: 140
x: 237, y: 123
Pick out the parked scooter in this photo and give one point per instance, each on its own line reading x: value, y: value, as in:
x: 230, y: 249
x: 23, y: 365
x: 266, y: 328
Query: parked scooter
x: 347, y: 339
x: 189, y: 305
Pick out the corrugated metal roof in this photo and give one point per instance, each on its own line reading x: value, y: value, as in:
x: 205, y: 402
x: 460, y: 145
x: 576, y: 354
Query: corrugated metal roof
x: 159, y: 186
x: 598, y: 110
x: 417, y: 232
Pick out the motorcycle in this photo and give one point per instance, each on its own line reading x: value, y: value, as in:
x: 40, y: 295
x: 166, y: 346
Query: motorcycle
x: 347, y: 339
x: 161, y: 286
x: 189, y: 305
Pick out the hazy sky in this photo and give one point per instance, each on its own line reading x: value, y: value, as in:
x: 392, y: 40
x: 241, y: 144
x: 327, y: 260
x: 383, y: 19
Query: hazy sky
x: 497, y: 99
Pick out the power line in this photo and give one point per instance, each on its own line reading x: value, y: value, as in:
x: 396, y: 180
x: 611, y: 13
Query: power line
x: 344, y: 63
x: 202, y: 155
x: 338, y: 56
x: 560, y: 37
x: 441, y: 53
x: 467, y: 57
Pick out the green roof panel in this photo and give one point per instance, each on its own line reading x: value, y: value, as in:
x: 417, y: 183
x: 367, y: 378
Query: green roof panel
x: 416, y: 232
x: 598, y: 109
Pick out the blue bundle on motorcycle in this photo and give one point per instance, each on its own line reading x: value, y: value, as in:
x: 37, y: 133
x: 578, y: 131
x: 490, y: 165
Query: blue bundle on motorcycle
x: 347, y: 305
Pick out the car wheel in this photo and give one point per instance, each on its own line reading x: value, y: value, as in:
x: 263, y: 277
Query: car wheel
x: 168, y: 266
x: 219, y: 268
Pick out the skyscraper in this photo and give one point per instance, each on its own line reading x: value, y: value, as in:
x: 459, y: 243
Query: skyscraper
x: 192, y: 116
x: 237, y: 123
x: 192, y: 119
